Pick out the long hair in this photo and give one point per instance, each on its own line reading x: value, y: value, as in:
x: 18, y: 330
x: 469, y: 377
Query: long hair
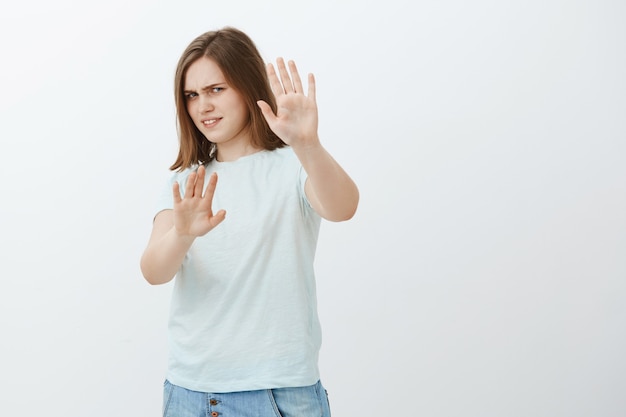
x: 244, y: 69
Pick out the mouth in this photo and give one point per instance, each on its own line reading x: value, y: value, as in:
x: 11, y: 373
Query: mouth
x: 210, y: 122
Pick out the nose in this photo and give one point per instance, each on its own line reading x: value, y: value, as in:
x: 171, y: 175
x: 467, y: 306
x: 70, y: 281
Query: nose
x: 206, y: 104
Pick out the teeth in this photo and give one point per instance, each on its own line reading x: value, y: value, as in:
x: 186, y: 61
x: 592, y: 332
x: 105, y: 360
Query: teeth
x: 209, y: 122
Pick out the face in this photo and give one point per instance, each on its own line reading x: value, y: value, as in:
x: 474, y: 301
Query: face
x: 217, y: 109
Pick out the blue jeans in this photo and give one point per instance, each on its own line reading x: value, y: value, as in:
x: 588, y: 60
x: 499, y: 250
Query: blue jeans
x: 309, y: 401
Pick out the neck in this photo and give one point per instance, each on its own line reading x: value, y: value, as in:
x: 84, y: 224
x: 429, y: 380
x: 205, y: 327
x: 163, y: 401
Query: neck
x: 229, y: 154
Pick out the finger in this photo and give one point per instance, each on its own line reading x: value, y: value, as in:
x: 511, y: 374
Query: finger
x: 191, y: 181
x: 199, y: 186
x: 218, y: 217
x: 275, y: 85
x: 311, y: 87
x: 210, y: 188
x: 297, y: 82
x: 284, y: 76
x: 176, y: 193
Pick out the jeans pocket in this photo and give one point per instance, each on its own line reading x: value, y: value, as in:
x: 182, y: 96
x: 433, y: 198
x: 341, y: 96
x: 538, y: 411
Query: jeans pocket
x: 168, y: 388
x: 327, y: 401
x: 272, y: 399
x: 306, y: 401
x: 324, y: 401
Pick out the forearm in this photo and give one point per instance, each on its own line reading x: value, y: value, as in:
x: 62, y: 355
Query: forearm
x: 162, y: 258
x: 330, y: 189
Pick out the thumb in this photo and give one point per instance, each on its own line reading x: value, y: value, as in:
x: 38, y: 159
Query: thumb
x: 217, y: 218
x: 266, y: 110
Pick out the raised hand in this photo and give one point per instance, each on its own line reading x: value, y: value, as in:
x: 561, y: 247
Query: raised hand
x: 295, y: 121
x: 193, y: 214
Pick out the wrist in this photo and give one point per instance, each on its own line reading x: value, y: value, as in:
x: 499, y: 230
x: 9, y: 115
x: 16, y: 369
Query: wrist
x: 308, y: 146
x: 185, y: 239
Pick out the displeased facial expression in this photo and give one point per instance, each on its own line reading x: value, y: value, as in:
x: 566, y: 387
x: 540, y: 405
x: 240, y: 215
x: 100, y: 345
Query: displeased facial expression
x: 218, y: 110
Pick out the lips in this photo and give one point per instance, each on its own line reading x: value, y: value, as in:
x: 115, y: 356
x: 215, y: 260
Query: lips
x: 210, y: 122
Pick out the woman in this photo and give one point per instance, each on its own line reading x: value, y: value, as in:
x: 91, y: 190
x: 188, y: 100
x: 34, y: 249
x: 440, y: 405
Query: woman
x: 244, y: 332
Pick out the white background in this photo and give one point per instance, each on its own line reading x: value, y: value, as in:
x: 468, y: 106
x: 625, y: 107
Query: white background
x: 483, y: 275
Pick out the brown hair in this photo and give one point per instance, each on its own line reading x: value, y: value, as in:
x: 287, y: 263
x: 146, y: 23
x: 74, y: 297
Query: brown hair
x: 244, y: 69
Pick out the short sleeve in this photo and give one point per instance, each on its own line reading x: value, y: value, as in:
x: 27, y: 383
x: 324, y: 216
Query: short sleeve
x: 302, y: 177
x: 165, y: 199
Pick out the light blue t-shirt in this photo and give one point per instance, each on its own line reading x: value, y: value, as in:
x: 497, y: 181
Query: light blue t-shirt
x: 243, y: 314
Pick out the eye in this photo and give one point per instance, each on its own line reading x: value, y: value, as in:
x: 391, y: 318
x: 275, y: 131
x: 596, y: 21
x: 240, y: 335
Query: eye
x: 191, y: 95
x: 217, y: 90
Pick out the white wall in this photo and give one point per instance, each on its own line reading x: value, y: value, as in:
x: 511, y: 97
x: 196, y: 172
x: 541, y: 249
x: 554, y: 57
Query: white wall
x: 484, y: 274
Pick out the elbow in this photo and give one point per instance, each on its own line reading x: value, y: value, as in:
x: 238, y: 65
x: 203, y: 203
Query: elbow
x: 343, y: 217
x: 152, y: 280
x: 346, y: 212
x: 150, y: 275
x: 155, y: 279
x: 352, y: 206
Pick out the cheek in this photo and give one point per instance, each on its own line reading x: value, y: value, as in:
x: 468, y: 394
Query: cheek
x: 191, y: 111
x: 237, y: 103
x: 243, y: 111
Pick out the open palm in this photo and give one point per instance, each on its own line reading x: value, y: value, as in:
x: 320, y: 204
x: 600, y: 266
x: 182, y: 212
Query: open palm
x: 193, y: 213
x: 295, y: 121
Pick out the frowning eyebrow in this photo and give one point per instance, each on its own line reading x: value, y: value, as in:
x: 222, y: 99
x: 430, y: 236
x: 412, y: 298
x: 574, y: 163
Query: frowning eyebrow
x: 208, y: 87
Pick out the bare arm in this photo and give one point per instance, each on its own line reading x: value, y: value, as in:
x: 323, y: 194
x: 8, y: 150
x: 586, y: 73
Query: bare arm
x: 331, y: 192
x: 165, y: 251
x: 174, y: 231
